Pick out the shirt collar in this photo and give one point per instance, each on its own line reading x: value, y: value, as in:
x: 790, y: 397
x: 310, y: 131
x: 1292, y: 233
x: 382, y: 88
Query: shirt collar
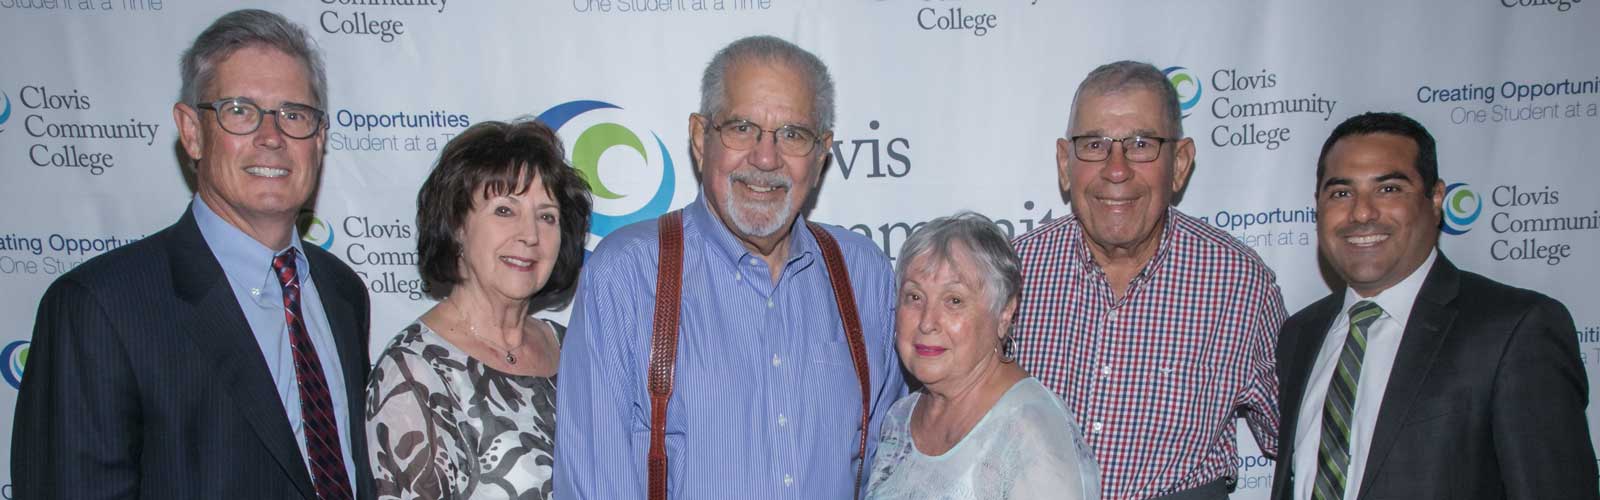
x: 725, y: 244
x: 243, y: 258
x: 1397, y: 300
x: 1085, y: 258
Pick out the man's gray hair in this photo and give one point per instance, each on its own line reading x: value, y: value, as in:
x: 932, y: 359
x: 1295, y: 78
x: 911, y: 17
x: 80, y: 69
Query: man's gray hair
x: 997, y: 263
x: 1133, y: 75
x: 770, y: 49
x: 248, y: 28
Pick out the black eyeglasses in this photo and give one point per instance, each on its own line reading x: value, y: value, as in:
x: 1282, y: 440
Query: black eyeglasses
x: 1135, y: 148
x: 793, y: 140
x: 239, y: 116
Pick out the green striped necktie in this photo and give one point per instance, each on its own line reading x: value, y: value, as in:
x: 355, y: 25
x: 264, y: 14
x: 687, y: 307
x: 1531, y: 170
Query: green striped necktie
x: 1333, y: 456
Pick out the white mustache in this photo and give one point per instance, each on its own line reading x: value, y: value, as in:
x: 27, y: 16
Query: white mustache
x: 761, y: 178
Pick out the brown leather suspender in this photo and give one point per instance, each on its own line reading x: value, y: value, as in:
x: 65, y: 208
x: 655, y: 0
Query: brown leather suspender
x: 664, y: 340
x: 846, y: 299
x: 664, y: 344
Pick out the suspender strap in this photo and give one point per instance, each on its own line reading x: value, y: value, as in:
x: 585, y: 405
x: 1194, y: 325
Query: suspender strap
x: 846, y: 300
x: 664, y: 340
x: 664, y: 344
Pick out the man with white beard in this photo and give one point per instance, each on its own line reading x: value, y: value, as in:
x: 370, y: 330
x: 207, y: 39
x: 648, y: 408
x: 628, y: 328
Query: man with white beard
x: 747, y: 348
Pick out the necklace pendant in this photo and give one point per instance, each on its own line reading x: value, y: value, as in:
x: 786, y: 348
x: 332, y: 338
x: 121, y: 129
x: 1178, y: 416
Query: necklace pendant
x: 510, y: 360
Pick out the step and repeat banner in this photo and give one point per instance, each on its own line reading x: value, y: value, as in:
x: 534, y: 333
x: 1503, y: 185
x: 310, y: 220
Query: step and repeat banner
x: 942, y: 105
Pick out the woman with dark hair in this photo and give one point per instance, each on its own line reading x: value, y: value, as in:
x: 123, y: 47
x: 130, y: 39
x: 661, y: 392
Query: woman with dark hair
x: 461, y: 403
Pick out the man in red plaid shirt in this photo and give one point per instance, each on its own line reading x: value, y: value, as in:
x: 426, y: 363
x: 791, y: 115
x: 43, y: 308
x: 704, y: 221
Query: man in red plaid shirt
x: 1156, y: 328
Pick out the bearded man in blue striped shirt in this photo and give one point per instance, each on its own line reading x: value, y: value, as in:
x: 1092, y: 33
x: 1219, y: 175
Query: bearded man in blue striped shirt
x: 765, y: 400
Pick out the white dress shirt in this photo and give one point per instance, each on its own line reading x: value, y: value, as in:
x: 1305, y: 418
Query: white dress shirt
x: 1383, y: 343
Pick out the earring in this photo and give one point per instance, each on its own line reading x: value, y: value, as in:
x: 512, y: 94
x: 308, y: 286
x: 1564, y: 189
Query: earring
x: 1004, y: 350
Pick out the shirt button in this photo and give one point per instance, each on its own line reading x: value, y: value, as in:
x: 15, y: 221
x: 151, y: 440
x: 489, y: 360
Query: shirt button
x: 1106, y: 370
x: 1111, y: 316
x: 782, y: 420
x: 737, y: 276
x: 1097, y: 426
x: 788, y: 480
x: 754, y: 262
x: 255, y: 292
x: 769, y: 303
x: 776, y: 361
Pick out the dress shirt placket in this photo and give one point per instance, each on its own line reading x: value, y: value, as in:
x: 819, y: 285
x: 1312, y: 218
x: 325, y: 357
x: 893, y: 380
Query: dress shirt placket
x: 1113, y: 345
x: 784, y: 365
x: 1115, y: 349
x: 1104, y: 353
x: 789, y: 308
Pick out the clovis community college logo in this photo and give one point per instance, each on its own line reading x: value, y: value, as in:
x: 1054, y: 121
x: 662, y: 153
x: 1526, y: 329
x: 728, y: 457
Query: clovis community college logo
x: 317, y: 232
x: 637, y: 194
x: 1461, y: 208
x: 1187, y: 85
x: 15, y: 356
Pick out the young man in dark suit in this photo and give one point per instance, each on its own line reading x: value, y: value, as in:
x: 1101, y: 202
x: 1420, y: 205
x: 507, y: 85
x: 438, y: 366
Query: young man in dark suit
x: 219, y: 357
x: 1419, y: 380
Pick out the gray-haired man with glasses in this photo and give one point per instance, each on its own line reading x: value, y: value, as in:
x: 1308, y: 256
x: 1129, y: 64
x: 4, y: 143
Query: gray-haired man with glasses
x: 219, y: 357
x: 767, y: 397
x: 1156, y: 328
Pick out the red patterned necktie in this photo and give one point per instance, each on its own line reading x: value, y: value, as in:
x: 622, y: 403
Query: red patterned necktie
x: 328, y: 471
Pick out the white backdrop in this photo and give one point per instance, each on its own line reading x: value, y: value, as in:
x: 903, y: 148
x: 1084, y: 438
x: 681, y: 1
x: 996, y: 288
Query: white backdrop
x: 943, y: 105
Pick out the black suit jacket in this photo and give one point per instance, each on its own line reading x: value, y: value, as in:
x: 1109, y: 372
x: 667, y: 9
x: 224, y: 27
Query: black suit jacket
x: 145, y: 381
x: 1486, y: 400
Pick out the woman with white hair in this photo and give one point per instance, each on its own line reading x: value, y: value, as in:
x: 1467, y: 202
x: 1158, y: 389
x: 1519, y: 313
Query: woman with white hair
x: 980, y: 427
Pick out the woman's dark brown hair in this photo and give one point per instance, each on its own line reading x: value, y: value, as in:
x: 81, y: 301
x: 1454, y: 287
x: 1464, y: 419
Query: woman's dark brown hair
x: 491, y: 159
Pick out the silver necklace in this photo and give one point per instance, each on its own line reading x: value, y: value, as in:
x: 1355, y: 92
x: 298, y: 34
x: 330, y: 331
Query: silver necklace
x: 472, y: 327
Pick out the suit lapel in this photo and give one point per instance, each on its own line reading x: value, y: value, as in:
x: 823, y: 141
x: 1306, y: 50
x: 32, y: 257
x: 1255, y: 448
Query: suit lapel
x: 347, y: 320
x: 1306, y: 346
x: 216, y: 324
x: 1426, y: 330
x: 342, y: 318
x: 348, y: 335
x: 1302, y: 353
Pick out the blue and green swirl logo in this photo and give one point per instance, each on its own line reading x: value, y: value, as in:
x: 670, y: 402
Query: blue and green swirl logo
x: 1461, y: 208
x: 1187, y: 85
x: 599, y: 136
x: 15, y: 356
x: 5, y: 114
x: 316, y: 231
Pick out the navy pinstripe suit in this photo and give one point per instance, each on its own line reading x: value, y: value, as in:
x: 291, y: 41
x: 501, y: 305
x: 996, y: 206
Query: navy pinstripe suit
x: 144, y: 381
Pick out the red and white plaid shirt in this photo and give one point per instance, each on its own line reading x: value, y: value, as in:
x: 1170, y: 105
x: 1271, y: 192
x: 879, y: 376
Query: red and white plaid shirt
x: 1158, y: 377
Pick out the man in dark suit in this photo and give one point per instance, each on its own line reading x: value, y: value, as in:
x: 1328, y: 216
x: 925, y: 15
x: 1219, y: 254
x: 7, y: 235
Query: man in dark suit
x: 1419, y: 380
x: 219, y: 357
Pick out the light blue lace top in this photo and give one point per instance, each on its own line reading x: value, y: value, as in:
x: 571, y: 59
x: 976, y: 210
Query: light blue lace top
x: 1027, y: 446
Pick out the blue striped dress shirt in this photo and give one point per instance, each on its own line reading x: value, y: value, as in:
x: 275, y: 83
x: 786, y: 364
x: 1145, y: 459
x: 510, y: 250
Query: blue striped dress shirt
x: 766, y: 403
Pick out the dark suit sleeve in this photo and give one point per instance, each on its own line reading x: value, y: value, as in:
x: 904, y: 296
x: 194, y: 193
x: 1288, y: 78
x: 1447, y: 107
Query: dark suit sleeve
x: 77, y: 428
x: 364, y: 313
x: 1541, y: 433
x: 366, y: 487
